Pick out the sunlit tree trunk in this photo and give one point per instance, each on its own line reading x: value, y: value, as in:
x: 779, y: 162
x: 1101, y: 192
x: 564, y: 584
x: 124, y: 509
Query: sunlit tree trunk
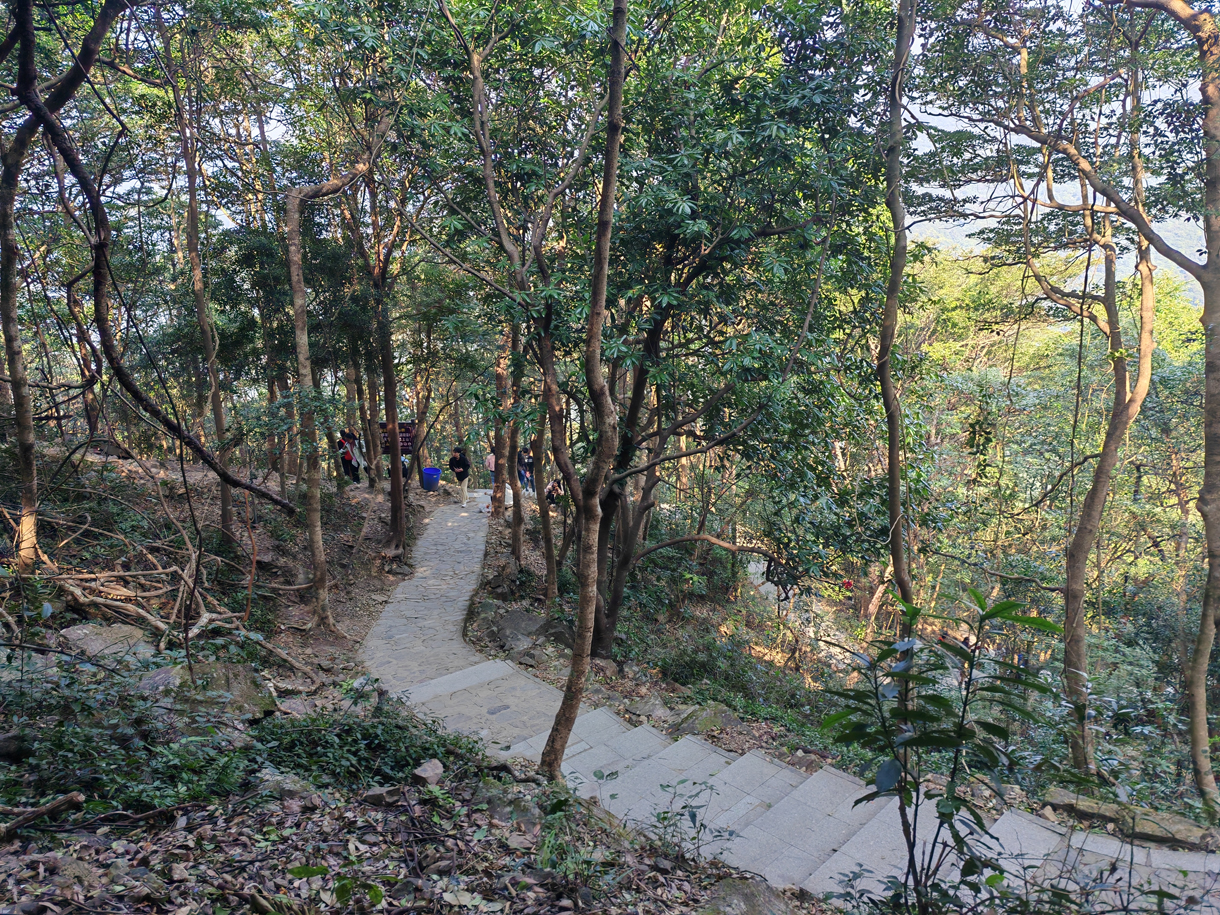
x: 602, y: 403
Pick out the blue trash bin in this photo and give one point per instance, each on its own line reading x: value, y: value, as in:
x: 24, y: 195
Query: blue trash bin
x: 432, y: 479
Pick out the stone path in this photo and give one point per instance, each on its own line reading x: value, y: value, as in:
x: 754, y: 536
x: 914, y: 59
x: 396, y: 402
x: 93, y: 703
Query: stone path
x: 751, y: 811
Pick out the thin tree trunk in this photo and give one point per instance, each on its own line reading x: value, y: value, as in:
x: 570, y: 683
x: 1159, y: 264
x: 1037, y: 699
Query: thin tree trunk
x: 514, y: 446
x: 25, y: 541
x: 207, y: 328
x: 503, y: 471
x: 605, y: 413
x: 544, y: 514
x: 889, y: 321
x: 389, y: 381
x: 309, y: 435
x: 374, y: 431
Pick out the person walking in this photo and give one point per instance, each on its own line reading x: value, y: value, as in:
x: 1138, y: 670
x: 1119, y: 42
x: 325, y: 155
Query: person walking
x: 348, y: 455
x: 460, y: 466
x: 489, y: 464
x: 529, y: 470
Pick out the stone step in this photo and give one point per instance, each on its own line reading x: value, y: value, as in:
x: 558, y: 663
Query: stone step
x: 748, y: 788
x: 462, y: 679
x: 591, y: 729
x: 806, y: 829
x: 611, y: 757
x: 502, y: 711
x: 670, y: 782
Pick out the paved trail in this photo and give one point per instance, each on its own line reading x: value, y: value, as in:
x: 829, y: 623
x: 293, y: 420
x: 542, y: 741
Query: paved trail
x: 752, y: 811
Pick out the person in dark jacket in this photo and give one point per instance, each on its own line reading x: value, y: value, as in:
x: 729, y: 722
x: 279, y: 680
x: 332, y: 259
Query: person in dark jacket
x: 460, y: 465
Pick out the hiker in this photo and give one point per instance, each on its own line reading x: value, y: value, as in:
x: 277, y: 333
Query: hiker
x: 524, y: 464
x: 348, y: 455
x: 529, y: 470
x: 554, y: 490
x: 489, y: 464
x: 461, y: 469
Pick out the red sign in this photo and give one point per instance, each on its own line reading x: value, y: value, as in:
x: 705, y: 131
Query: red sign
x: 406, y: 438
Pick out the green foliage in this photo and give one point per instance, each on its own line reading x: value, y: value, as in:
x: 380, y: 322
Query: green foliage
x: 384, y: 745
x: 950, y: 701
x: 94, y: 730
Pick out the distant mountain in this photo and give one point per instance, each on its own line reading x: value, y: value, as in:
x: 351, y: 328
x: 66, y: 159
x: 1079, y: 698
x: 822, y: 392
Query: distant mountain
x: 1183, y: 235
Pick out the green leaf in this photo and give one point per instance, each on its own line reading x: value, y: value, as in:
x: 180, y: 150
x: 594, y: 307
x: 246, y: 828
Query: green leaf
x: 888, y: 775
x: 305, y: 871
x: 1036, y: 622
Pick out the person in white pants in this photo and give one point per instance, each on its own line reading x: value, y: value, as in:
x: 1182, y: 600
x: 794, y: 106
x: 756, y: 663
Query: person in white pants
x: 460, y: 466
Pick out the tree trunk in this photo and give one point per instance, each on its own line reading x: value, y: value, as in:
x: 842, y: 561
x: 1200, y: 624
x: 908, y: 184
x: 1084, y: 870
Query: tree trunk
x: 207, y: 328
x: 514, y: 447
x: 309, y: 435
x: 889, y: 321
x: 503, y: 470
x: 389, y: 381
x: 374, y: 431
x: 602, y: 402
x: 544, y: 514
x: 25, y: 541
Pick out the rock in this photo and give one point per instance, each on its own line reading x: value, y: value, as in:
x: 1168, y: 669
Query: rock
x: 269, y: 780
x: 115, y: 641
x: 430, y: 772
x: 519, y: 622
x: 605, y: 667
x: 559, y: 632
x: 326, y: 666
x: 13, y: 747
x: 1048, y: 814
x: 632, y: 671
x: 382, y: 797
x: 516, y: 642
x: 735, y: 896
x: 1134, y: 822
x: 178, y: 873
x: 650, y: 707
x: 235, y: 689
x: 526, y: 658
x: 707, y: 718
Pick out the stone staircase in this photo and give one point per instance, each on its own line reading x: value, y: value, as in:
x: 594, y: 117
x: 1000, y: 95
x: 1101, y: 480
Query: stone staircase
x: 750, y: 811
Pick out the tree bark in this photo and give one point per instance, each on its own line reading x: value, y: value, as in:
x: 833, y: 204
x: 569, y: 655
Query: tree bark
x: 602, y: 401
x: 514, y: 446
x: 889, y: 321
x: 503, y: 471
x: 544, y: 513
x: 389, y: 383
x: 203, y: 313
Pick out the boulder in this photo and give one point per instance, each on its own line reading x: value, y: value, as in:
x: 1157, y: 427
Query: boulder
x: 269, y: 780
x: 702, y: 719
x: 516, y: 642
x: 519, y: 622
x: 650, y: 707
x: 382, y: 797
x: 559, y: 632
x: 235, y: 690
x: 1132, y: 822
x: 736, y: 896
x: 605, y: 667
x: 119, y: 640
x: 430, y: 772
